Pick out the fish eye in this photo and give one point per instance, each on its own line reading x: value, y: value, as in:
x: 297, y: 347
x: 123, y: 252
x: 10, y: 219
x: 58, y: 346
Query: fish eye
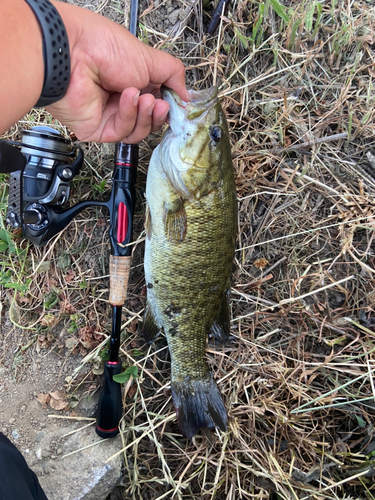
x: 215, y: 133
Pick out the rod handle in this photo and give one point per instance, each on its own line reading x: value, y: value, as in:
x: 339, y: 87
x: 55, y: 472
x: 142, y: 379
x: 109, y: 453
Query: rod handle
x: 119, y: 270
x: 110, y: 403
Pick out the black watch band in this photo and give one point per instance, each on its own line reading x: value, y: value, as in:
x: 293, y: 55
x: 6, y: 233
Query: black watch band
x: 55, y: 52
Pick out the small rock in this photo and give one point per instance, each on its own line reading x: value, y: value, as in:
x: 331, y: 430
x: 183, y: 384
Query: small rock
x: 39, y: 436
x: 12, y: 420
x: 83, y: 475
x: 15, y: 434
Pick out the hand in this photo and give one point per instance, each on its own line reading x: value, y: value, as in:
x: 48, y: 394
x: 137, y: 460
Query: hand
x: 109, y: 67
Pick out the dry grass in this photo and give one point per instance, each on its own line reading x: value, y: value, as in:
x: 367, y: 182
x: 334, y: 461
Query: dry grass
x: 297, y: 377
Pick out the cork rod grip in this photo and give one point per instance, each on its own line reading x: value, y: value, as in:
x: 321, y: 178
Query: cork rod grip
x: 119, y: 270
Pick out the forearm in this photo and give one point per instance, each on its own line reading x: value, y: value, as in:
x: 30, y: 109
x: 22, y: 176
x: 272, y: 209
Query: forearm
x: 21, y: 56
x: 109, y: 69
x: 21, y: 61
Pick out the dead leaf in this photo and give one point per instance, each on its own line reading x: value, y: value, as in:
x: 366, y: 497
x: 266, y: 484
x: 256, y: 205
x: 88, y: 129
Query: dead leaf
x: 86, y: 344
x: 70, y: 275
x: 261, y: 263
x: 48, y: 320
x: 43, y: 399
x: 58, y: 400
x: 58, y: 405
x: 60, y: 395
x: 67, y: 307
x: 70, y: 343
x: 132, y: 391
x: 44, y: 341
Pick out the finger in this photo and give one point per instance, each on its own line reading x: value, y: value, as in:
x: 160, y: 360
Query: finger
x: 118, y: 118
x: 177, y: 83
x: 143, y: 124
x: 159, y: 115
x: 152, y: 89
x: 165, y: 69
x: 122, y: 117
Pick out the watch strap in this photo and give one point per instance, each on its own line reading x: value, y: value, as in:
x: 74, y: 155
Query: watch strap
x: 56, y: 53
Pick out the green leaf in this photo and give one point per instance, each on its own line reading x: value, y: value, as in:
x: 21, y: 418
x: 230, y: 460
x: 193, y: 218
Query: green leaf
x: 319, y: 10
x: 83, y: 285
x: 122, y: 378
x: 5, y: 277
x: 243, y: 39
x: 6, y: 242
x: 16, y: 286
x: 309, y: 17
x: 64, y: 261
x: 100, y: 187
x: 44, y: 266
x: 136, y: 352
x: 280, y: 10
x: 50, y: 300
x: 360, y: 421
x: 258, y: 22
x: 104, y: 355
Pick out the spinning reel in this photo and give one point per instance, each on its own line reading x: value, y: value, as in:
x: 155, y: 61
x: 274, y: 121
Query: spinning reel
x: 39, y: 188
x: 41, y: 173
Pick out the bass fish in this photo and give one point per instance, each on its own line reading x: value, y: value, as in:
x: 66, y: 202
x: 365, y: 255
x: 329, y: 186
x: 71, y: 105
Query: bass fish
x: 191, y: 217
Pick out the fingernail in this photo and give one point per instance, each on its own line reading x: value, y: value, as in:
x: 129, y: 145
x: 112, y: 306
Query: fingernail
x: 150, y: 109
x: 162, y: 118
x: 135, y: 99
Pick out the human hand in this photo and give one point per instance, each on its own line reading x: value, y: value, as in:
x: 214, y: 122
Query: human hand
x: 109, y: 67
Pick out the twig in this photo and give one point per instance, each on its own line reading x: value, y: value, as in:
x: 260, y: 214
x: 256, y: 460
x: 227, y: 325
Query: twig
x: 294, y: 299
x: 307, y: 144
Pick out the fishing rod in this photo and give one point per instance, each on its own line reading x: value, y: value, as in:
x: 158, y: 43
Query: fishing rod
x: 42, y: 167
x: 121, y: 234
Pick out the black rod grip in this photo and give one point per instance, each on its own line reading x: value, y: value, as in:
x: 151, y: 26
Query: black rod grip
x: 110, y: 403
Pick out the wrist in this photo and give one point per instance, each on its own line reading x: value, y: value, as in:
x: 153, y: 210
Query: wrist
x: 71, y: 17
x: 56, y: 54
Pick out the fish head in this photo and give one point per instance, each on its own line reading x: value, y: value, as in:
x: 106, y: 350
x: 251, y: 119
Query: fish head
x: 196, y: 146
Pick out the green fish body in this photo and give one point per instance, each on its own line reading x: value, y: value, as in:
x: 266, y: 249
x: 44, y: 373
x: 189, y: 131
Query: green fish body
x: 190, y: 242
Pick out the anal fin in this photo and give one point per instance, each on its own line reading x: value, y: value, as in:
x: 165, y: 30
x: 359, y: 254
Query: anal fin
x: 150, y: 329
x: 220, y: 328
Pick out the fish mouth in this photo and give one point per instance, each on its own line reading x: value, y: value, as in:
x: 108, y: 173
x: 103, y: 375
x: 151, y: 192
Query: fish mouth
x: 202, y: 101
x: 198, y: 97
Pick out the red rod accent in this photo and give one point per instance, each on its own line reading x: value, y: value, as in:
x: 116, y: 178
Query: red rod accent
x: 122, y: 222
x: 107, y: 430
x: 113, y: 362
x: 125, y: 164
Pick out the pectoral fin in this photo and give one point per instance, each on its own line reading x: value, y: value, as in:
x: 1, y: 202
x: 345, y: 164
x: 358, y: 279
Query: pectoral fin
x: 175, y: 220
x: 148, y: 226
x: 220, y: 328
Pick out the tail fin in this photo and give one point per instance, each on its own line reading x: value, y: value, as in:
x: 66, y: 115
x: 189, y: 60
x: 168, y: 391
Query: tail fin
x: 198, y: 404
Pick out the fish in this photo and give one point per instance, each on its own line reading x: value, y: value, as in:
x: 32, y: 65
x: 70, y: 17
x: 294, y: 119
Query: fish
x: 191, y: 221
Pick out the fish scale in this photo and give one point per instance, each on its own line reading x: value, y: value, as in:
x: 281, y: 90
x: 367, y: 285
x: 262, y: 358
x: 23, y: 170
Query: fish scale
x: 188, y: 264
